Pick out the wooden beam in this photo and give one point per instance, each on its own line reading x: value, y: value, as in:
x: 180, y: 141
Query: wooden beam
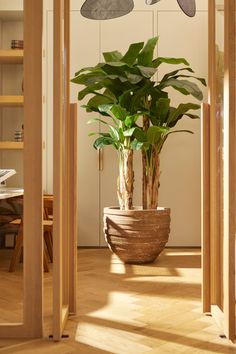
x: 205, y: 206
x: 33, y: 231
x: 229, y: 170
x: 73, y: 210
x: 214, y: 190
x: 65, y: 160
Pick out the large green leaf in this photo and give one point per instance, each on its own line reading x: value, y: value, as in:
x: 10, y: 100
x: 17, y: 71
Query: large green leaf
x: 162, y: 108
x: 140, y: 95
x: 115, y: 70
x: 89, y: 68
x: 114, y: 110
x: 103, y: 141
x: 146, y: 71
x: 97, y: 101
x: 114, y: 133
x: 180, y: 131
x: 134, y: 79
x: 129, y: 132
x: 97, y: 120
x: 136, y: 145
x: 178, y: 112
x: 145, y: 57
x: 158, y: 61
x: 89, y: 78
x: 89, y: 89
x: 105, y: 108
x: 192, y: 116
x: 173, y: 73
x: 186, y: 87
x: 119, y: 112
x: 140, y: 135
x: 203, y: 81
x: 131, y: 55
x: 131, y: 120
x: 112, y: 56
x: 154, y: 134
x: 125, y: 99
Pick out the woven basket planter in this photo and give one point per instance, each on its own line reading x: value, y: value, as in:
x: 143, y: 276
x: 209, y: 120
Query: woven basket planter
x: 136, y: 236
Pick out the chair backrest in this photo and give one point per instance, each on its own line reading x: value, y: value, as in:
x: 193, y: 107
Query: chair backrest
x: 47, y: 207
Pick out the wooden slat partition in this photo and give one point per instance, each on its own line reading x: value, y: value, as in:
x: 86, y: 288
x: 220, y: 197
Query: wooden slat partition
x: 229, y: 171
x: 32, y: 325
x: 57, y: 169
x: 33, y: 205
x: 65, y: 148
x: 73, y: 211
x: 222, y: 175
x: 65, y: 175
x: 214, y: 193
x: 205, y: 205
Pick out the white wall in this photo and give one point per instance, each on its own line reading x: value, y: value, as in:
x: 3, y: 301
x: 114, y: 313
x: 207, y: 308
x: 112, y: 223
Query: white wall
x: 180, y: 160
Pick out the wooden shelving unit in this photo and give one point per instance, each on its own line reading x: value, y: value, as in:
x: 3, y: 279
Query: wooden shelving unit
x: 11, y: 56
x: 11, y: 101
x: 11, y: 145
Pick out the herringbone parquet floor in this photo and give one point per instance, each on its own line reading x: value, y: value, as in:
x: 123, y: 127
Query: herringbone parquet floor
x: 151, y: 309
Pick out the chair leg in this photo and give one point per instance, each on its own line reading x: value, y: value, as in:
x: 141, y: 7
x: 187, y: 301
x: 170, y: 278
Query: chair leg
x: 45, y: 261
x: 48, y: 242
x: 17, y: 250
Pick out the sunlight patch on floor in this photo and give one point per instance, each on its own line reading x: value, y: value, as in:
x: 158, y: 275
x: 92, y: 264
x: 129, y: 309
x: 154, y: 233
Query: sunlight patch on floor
x: 121, y: 306
x: 184, y: 253
x: 116, y: 266
x: 107, y: 338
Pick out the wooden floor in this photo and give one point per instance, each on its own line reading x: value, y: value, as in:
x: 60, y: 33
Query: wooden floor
x: 149, y: 309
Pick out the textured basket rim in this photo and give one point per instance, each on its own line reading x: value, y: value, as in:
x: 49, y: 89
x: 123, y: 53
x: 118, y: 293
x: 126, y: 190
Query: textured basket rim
x: 135, y: 210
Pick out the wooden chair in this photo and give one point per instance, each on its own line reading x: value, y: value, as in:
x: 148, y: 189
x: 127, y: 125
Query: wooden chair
x: 47, y: 229
x: 47, y: 224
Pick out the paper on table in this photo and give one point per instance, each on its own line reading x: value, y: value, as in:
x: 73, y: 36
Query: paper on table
x: 5, y: 174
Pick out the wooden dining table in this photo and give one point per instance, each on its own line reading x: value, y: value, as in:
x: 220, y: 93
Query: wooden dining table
x: 10, y: 192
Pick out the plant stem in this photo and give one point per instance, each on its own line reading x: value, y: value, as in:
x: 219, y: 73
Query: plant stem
x: 125, y: 183
x: 151, y: 176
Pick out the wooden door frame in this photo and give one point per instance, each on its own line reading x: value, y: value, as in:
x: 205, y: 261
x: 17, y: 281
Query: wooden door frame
x: 64, y: 175
x: 32, y: 324
x: 222, y: 296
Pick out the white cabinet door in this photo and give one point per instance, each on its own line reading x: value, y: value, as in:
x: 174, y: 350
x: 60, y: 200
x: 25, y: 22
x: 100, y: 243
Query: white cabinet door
x: 85, y: 48
x: 180, y: 158
x: 84, y: 52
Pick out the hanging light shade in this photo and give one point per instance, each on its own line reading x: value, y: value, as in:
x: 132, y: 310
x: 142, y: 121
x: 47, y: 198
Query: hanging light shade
x: 151, y: 2
x: 187, y: 6
x: 106, y: 9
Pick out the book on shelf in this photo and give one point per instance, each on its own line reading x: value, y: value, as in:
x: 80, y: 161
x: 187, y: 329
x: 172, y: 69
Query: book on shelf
x: 5, y: 174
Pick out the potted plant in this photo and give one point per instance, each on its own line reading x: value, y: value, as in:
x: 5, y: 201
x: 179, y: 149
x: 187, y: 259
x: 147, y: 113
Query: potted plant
x: 137, y: 113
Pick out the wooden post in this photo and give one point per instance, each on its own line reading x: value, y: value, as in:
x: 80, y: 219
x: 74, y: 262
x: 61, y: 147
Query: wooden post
x: 73, y: 218
x: 205, y: 207
x: 57, y: 170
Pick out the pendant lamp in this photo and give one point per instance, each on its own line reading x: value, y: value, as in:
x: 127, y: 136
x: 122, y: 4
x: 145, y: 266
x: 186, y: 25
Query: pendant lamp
x: 106, y: 9
x: 187, y: 6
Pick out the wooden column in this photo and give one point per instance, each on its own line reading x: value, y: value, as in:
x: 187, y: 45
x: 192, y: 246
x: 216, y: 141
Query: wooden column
x: 229, y: 171
x: 32, y: 325
x: 205, y: 207
x: 33, y: 232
